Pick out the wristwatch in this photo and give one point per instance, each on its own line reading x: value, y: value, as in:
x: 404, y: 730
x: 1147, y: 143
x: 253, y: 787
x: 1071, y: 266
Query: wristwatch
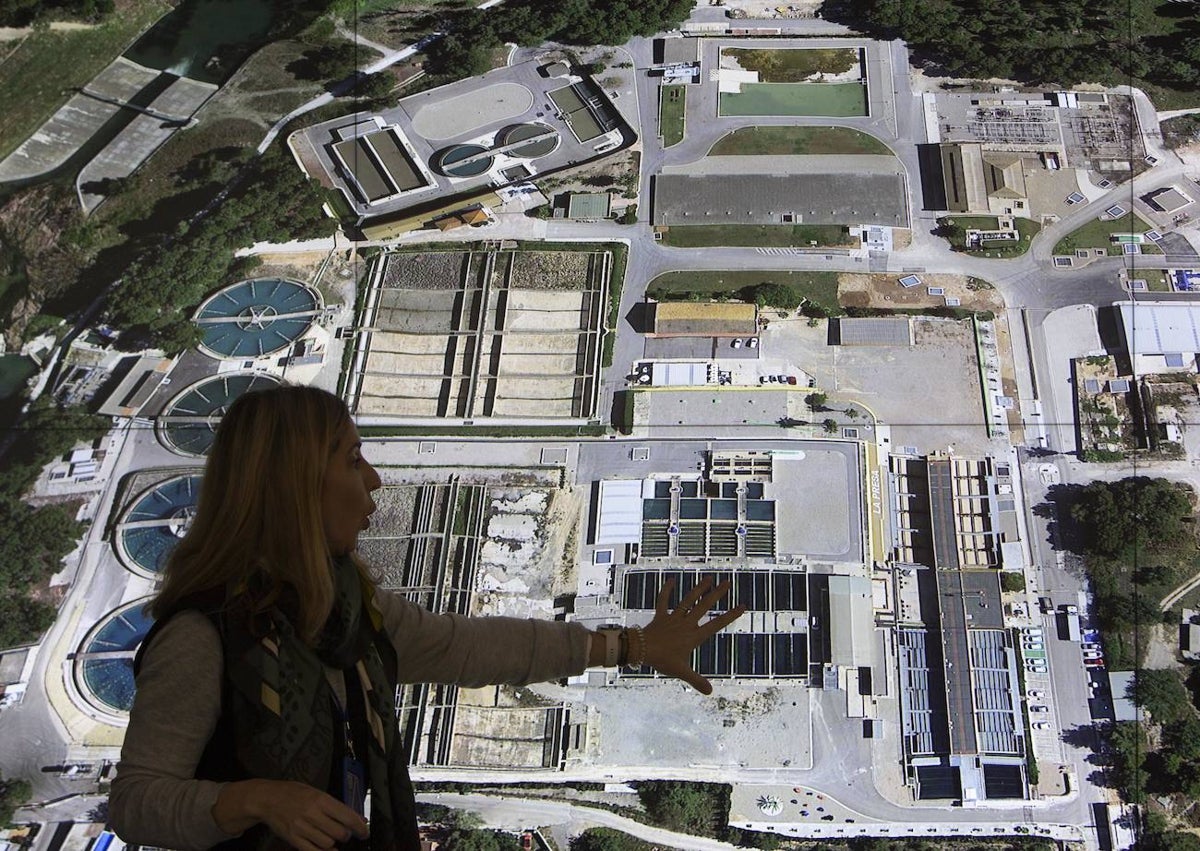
x: 612, y: 645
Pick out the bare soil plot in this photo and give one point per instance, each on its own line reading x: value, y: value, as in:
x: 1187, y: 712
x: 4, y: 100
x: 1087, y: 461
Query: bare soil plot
x: 550, y: 270
x: 884, y: 291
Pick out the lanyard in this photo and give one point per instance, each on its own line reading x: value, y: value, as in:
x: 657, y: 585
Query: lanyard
x: 354, y: 775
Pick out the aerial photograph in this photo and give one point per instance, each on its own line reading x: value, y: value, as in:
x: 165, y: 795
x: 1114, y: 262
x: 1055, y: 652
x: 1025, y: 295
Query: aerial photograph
x: 600, y: 425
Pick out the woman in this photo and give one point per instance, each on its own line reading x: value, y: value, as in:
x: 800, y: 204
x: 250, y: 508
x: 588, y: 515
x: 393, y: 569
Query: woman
x: 264, y: 704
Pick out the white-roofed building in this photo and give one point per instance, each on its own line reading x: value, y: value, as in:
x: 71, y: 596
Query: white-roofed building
x: 1160, y: 336
x: 619, y: 520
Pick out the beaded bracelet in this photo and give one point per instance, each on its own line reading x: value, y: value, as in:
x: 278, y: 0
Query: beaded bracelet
x: 640, y: 660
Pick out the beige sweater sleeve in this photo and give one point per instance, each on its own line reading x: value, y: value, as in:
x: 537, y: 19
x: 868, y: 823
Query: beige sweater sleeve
x: 155, y: 799
x: 472, y: 652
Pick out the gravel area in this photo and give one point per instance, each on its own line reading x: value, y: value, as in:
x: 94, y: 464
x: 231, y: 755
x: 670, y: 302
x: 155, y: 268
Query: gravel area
x: 434, y: 271
x: 550, y: 270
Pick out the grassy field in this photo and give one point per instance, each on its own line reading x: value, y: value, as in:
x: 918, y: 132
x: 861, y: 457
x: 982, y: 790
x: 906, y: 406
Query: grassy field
x: 40, y: 74
x: 757, y: 141
x: 1027, y: 228
x: 818, y: 287
x: 832, y: 99
x: 794, y: 66
x: 672, y: 101
x: 689, y: 236
x: 1097, y: 233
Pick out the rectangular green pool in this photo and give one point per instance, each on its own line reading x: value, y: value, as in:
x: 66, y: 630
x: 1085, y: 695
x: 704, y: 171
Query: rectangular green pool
x: 833, y: 99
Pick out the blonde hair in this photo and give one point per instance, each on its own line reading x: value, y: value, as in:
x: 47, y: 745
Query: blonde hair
x: 258, y: 529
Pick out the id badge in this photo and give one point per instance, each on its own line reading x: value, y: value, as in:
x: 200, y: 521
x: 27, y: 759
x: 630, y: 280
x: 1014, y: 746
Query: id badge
x: 354, y: 784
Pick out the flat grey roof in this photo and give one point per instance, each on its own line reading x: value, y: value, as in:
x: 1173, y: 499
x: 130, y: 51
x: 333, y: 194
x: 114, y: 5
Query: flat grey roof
x: 679, y: 51
x: 959, y: 697
x: 874, y: 331
x: 762, y: 199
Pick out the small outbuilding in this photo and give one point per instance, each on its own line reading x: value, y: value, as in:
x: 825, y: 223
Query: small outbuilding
x: 703, y: 319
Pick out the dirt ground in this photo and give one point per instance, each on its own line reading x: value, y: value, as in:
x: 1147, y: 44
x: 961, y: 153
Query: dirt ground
x: 885, y: 291
x: 336, y: 285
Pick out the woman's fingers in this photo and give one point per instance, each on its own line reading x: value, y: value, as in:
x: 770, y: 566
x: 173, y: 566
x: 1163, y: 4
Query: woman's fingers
x: 715, y: 625
x: 689, y: 602
x: 662, y: 605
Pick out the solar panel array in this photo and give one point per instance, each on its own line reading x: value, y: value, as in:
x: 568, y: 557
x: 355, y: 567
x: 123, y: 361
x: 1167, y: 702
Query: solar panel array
x: 758, y: 654
x: 917, y: 712
x: 996, y: 717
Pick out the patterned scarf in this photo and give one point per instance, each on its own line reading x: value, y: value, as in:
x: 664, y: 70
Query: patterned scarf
x: 283, y: 707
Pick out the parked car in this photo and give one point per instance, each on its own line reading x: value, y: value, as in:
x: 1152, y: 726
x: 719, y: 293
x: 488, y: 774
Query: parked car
x: 791, y: 379
x: 1037, y: 666
x: 1033, y: 645
x: 752, y: 342
x: 1032, y: 630
x: 1091, y: 645
x: 1046, y: 604
x: 1094, y: 663
x: 1041, y: 725
x: 1092, y: 654
x: 737, y: 343
x: 1071, y: 609
x: 774, y: 379
x: 1034, y: 694
x: 782, y: 379
x: 1039, y: 709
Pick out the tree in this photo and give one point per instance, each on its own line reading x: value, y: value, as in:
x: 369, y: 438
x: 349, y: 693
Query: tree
x: 1161, y: 692
x: 771, y: 294
x: 331, y: 61
x: 816, y: 400
x: 1133, y: 511
x: 607, y: 839
x: 1129, y: 775
x: 463, y: 839
x: 13, y: 793
x: 1012, y: 580
x: 830, y: 425
x: 701, y: 808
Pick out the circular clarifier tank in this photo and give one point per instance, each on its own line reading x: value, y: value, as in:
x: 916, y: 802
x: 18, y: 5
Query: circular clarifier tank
x: 189, y: 421
x: 104, y: 663
x: 154, y: 522
x: 464, y: 161
x: 257, y: 317
x: 530, y: 140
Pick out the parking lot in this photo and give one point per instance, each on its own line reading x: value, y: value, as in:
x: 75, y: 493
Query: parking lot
x: 938, y: 376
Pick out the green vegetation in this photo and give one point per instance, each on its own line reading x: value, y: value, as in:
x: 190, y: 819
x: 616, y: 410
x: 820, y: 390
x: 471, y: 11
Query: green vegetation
x: 33, y: 541
x: 1012, y: 580
x: 607, y: 839
x: 830, y: 425
x: 1161, y: 692
x: 672, y: 103
x: 474, y: 33
x: 698, y: 808
x: 817, y: 290
x: 1127, y: 529
x: 22, y: 13
x: 1098, y: 233
x: 693, y: 236
x: 793, y: 66
x: 616, y: 284
x: 1142, y: 43
x: 275, y: 202
x: 1181, y: 130
x: 954, y: 229
x: 45, y: 69
x: 785, y: 141
x: 13, y: 793
x: 826, y: 99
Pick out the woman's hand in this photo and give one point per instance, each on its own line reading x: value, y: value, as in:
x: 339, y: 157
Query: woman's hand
x: 305, y: 818
x: 673, y: 635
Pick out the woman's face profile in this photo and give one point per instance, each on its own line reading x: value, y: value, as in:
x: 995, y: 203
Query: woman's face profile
x: 346, y: 503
